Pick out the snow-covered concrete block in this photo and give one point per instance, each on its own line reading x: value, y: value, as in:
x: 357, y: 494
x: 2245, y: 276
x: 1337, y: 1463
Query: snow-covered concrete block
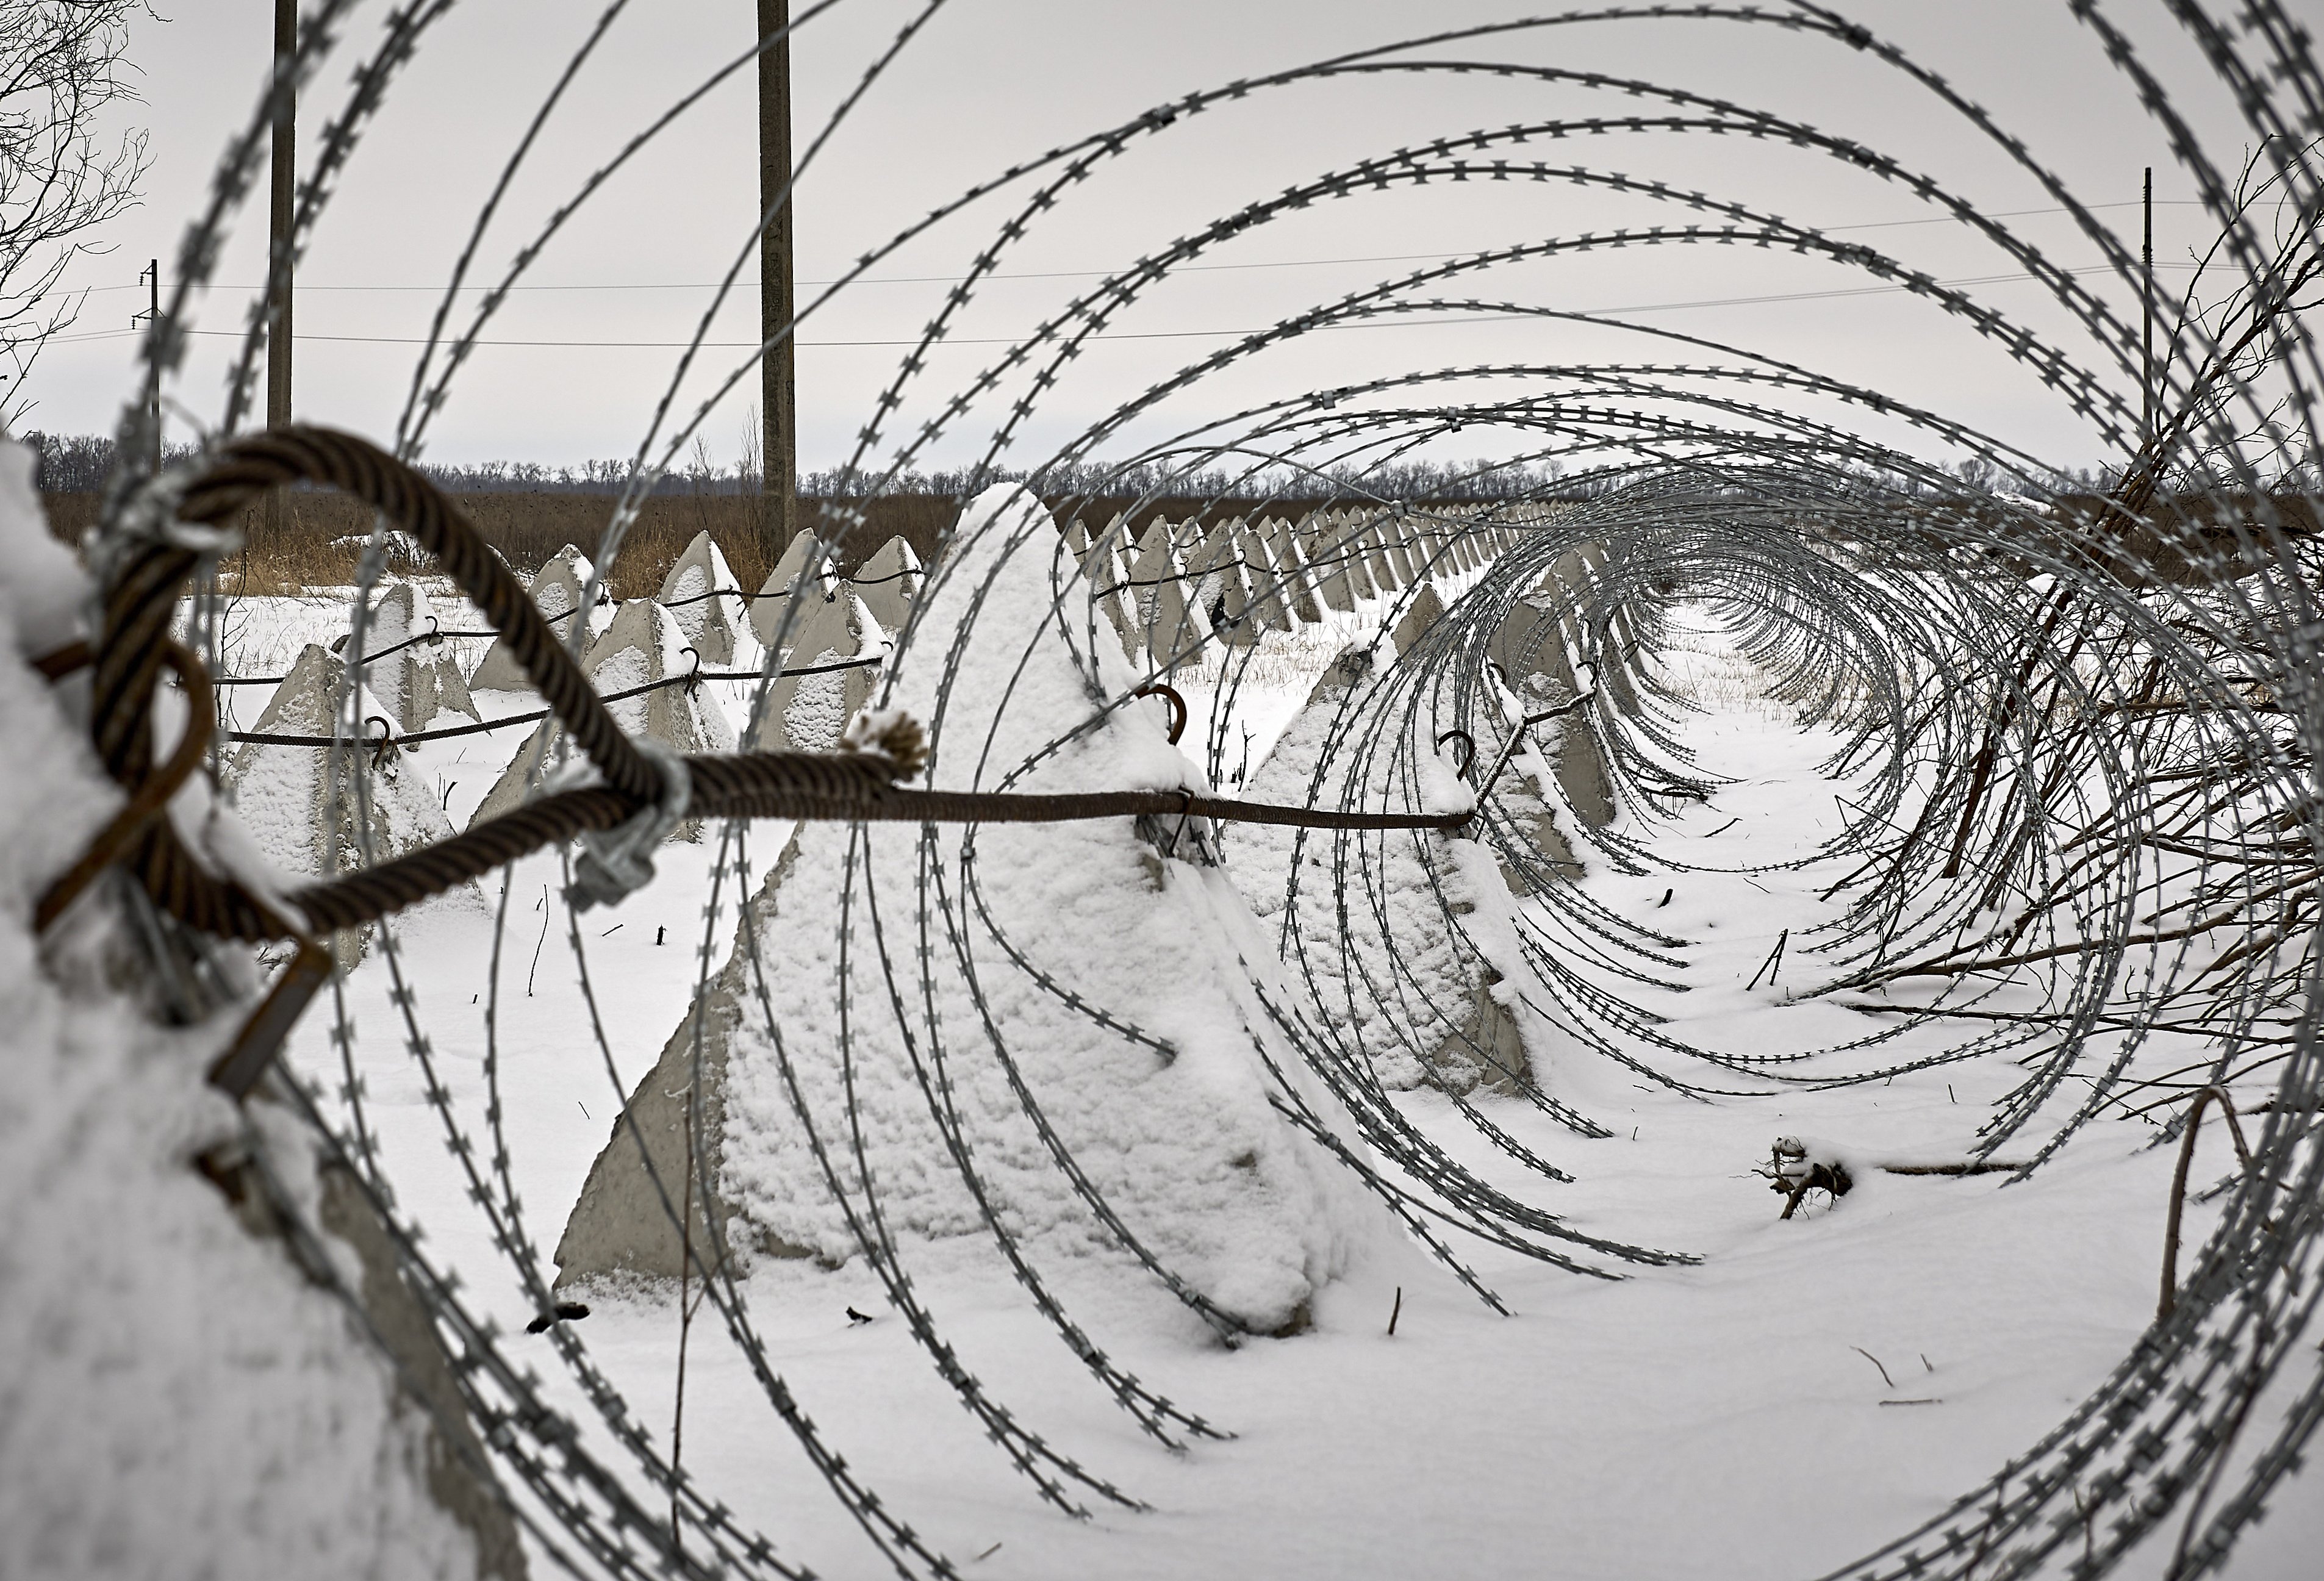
x: 808, y: 712
x: 700, y: 592
x: 1530, y: 647
x: 1263, y: 580
x: 888, y: 583
x: 1159, y: 581
x: 300, y: 802
x: 1487, y: 1049
x: 1397, y: 992
x: 181, y: 1396
x: 1222, y: 600
x: 1376, y: 559
x: 1296, y: 586
x: 1340, y: 575
x: 555, y: 590
x: 627, y: 1219
x: 1550, y: 857
x: 1180, y: 1142
x: 1422, y: 613
x: 1107, y: 571
x: 1594, y: 632
x: 413, y: 678
x: 644, y: 644
x: 1396, y: 535
x: 781, y: 584
x: 1350, y: 551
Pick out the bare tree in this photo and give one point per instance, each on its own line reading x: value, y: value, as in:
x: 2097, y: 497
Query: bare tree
x: 61, y: 67
x: 2240, y: 328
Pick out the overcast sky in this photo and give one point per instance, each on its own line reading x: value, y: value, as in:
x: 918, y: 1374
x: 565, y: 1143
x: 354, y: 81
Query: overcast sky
x: 991, y: 82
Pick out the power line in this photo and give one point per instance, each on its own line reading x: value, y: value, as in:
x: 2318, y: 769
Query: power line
x: 1801, y: 296
x: 751, y: 285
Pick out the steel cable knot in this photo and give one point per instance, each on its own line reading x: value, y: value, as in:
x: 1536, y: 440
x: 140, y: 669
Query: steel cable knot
x: 618, y: 862
x: 147, y: 518
x: 890, y: 735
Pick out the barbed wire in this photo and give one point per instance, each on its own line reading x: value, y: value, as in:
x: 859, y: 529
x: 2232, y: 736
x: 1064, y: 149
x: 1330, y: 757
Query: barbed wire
x: 2078, y: 740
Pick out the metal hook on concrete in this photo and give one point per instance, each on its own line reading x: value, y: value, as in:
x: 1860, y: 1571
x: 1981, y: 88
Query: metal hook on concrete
x: 383, y: 747
x: 1468, y: 750
x: 1517, y: 735
x: 693, y: 676
x: 1168, y: 694
x: 1188, y: 812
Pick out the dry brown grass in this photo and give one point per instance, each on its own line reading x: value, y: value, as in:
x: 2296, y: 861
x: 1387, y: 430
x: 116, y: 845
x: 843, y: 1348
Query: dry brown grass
x: 322, y: 536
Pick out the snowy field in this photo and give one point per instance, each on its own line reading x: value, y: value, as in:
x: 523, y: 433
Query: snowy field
x: 1809, y: 1391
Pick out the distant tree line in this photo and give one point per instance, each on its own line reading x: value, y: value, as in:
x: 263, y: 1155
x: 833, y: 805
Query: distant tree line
x: 81, y: 463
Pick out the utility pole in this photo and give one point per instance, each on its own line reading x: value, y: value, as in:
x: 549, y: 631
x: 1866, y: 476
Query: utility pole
x: 154, y: 371
x: 2146, y: 323
x: 778, y: 401
x: 278, y: 273
x: 151, y: 316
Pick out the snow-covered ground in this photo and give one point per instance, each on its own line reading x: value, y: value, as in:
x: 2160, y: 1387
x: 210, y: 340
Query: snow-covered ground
x: 1811, y: 1389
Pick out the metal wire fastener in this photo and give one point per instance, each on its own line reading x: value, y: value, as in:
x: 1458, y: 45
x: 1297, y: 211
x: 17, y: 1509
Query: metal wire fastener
x: 619, y: 862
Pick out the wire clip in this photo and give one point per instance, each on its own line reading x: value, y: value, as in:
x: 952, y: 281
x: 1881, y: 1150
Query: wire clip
x: 618, y: 862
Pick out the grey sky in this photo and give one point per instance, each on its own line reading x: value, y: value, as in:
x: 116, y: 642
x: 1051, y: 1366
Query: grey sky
x: 993, y: 81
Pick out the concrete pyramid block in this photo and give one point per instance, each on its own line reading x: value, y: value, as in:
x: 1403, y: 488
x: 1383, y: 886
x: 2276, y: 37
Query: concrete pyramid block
x: 556, y: 589
x: 1268, y: 594
x: 1376, y: 559
x: 1487, y: 1049
x: 808, y: 712
x: 1226, y: 601
x: 414, y: 678
x: 1532, y: 641
x: 1339, y: 557
x: 1591, y: 628
x: 1537, y: 820
x: 1299, y: 590
x: 1581, y: 773
x: 701, y: 593
x: 300, y: 803
x: 1531, y: 650
x: 626, y: 1220
x: 1237, y: 617
x: 284, y: 793
x: 1431, y: 553
x: 1395, y: 991
x: 1221, y: 600
x: 781, y: 584
x: 888, y: 582
x: 1106, y: 580
x: 1424, y: 612
x: 1208, y: 562
x: 1350, y: 548
x: 1402, y: 564
x: 1160, y: 589
x: 1182, y: 1145
x: 644, y: 645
